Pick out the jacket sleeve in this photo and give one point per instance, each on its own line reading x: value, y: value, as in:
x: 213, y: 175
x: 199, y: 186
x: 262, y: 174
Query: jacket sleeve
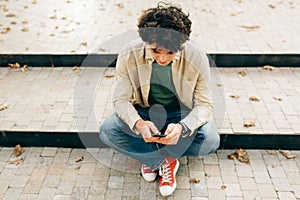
x: 202, y: 98
x: 123, y: 93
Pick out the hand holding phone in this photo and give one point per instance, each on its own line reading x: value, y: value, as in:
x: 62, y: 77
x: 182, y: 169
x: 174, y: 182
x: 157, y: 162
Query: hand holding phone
x: 158, y: 135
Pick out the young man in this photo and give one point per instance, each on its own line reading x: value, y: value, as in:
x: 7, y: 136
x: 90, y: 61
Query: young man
x: 162, y: 100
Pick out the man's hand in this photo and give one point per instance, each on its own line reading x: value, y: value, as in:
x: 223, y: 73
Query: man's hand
x: 145, y: 128
x: 173, y: 133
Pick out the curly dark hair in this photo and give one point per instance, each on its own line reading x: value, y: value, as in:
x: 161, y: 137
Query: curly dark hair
x: 166, y: 25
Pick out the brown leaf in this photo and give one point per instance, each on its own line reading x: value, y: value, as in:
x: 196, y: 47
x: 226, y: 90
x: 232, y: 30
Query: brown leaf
x: 235, y: 13
x: 14, y: 66
x: 234, y: 96
x: 3, y: 106
x: 53, y: 17
x: 219, y: 84
x: 268, y: 67
x: 242, y: 156
x: 120, y: 5
x: 10, y: 15
x: 84, y: 43
x: 278, y: 98
x: 24, y: 68
x: 102, y: 49
x: 13, y: 23
x: 271, y: 152
x: 253, y: 98
x: 250, y: 28
x: 78, y: 159
x: 5, y: 30
x: 18, y: 150
x: 16, y: 161
x: 223, y: 187
x: 195, y: 180
x: 249, y: 124
x: 25, y: 29
x: 231, y: 156
x: 77, y: 168
x: 286, y: 154
x: 109, y: 75
x: 272, y: 6
x: 242, y: 73
x: 24, y: 22
x: 75, y: 69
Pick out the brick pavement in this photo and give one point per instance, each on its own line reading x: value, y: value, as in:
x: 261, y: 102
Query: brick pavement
x: 52, y: 173
x: 73, y: 27
x: 60, y: 99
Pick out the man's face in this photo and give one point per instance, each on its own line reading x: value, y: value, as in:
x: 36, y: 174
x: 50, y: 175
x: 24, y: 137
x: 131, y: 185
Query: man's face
x: 162, y: 56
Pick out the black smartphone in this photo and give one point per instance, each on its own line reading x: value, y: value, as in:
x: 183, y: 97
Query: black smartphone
x: 158, y: 135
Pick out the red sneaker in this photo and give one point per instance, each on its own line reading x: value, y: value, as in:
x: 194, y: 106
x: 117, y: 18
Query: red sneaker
x: 168, y: 170
x: 148, y: 174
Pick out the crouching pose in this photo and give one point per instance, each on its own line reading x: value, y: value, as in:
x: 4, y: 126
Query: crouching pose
x: 162, y: 100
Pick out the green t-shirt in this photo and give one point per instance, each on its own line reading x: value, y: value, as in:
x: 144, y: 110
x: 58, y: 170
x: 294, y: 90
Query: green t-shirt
x: 162, y: 90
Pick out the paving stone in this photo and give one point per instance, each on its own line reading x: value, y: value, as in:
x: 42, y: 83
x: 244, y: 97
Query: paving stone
x: 276, y: 171
x: 19, y: 181
x: 12, y: 193
x: 33, y: 187
x: 267, y: 190
x: 261, y: 177
x: 28, y: 196
x: 286, y: 195
x: 281, y: 184
x: 233, y: 190
x: 115, y: 182
x: 216, y: 194
x: 52, y: 181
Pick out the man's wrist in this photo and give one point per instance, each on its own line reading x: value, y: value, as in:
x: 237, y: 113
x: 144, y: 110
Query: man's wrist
x: 185, y: 130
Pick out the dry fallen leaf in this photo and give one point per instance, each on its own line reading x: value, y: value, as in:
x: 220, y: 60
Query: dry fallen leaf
x: 195, y: 180
x: 249, y: 124
x: 16, y: 161
x: 84, y: 43
x: 24, y: 22
x: 24, y: 68
x: 14, y: 66
x: 3, y: 107
x: 250, y: 28
x: 18, y: 150
x: 241, y: 155
x: 223, y: 187
x: 234, y: 96
x: 268, y: 67
x: 219, y: 84
x: 286, y: 154
x: 242, y: 73
x: 5, y: 30
x: 25, y: 29
x: 76, y: 69
x: 109, y: 75
x: 78, y: 159
x: 13, y: 23
x: 77, y: 167
x: 271, y: 152
x: 278, y: 98
x: 102, y: 49
x: 10, y: 15
x: 253, y: 98
x: 272, y: 6
x: 120, y: 5
x: 236, y: 13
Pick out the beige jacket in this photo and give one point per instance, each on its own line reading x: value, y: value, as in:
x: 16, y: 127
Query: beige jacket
x: 190, y: 73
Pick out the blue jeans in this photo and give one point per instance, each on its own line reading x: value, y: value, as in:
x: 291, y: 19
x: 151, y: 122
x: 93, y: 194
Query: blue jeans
x: 115, y: 133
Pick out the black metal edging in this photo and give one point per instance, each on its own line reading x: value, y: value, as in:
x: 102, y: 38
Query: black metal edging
x: 105, y: 60
x: 91, y: 140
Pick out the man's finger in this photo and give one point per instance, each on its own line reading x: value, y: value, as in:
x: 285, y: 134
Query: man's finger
x: 153, y: 128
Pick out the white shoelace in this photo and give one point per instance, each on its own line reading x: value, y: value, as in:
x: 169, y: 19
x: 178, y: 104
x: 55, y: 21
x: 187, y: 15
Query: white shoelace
x: 165, y: 173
